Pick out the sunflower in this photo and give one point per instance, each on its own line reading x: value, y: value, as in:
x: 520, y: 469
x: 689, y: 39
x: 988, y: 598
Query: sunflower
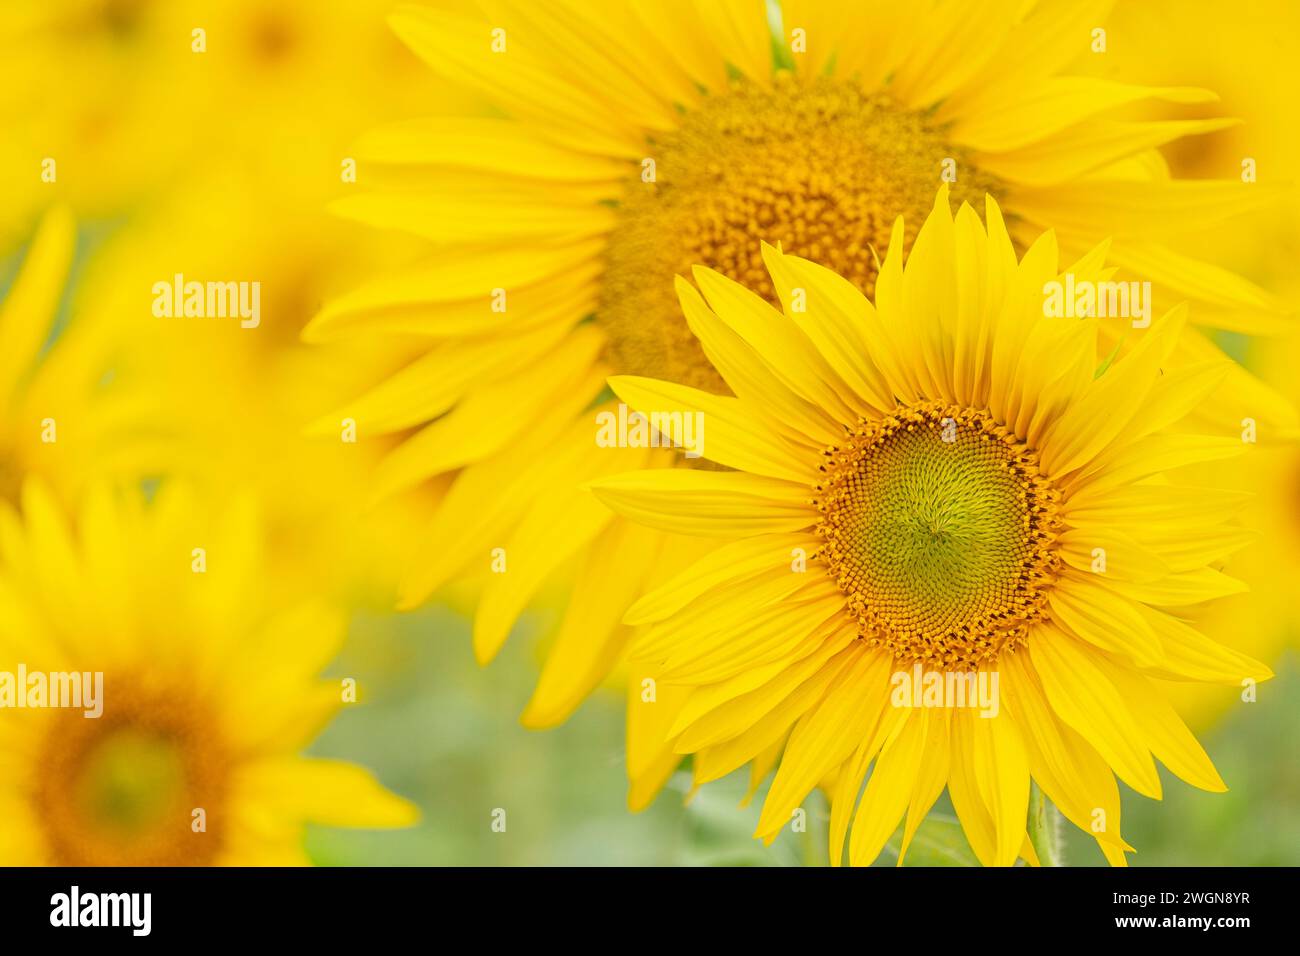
x: 638, y: 139
x: 208, y: 693
x: 634, y: 140
x: 947, y: 484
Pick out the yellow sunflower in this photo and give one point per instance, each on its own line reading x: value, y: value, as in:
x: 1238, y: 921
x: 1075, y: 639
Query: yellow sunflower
x: 208, y: 692
x: 636, y: 139
x: 949, y: 551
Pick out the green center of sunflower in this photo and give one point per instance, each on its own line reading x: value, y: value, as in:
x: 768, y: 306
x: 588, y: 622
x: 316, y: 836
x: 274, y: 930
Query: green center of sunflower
x: 939, y: 529
x: 129, y: 781
x: 122, y: 789
x: 817, y: 166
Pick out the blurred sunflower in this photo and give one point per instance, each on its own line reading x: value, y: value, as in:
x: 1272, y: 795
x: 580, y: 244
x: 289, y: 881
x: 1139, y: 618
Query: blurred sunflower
x: 209, y: 692
x: 1264, y: 622
x: 1246, y: 54
x: 1250, y: 56
x: 952, y: 463
x: 257, y: 128
x: 93, y: 84
x: 636, y: 139
x: 225, y: 405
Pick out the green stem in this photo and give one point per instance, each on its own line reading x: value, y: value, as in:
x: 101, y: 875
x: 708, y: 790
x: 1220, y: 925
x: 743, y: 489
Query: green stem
x: 1044, y: 828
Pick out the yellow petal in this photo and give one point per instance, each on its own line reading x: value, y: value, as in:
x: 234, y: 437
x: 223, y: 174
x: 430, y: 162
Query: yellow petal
x: 330, y: 792
x: 721, y: 429
x: 726, y: 504
x: 1083, y: 697
x: 1187, y: 654
x: 889, y: 788
x: 1002, y: 773
x: 786, y: 351
x: 732, y: 561
x: 562, y: 520
x: 591, y: 635
x: 826, y: 736
x: 1165, y: 733
x: 460, y: 48
x: 835, y: 316
x: 1053, y: 105
x: 750, y: 377
x: 1096, y: 615
x: 652, y: 706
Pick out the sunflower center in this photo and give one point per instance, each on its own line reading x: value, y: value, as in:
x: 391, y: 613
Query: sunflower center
x: 129, y: 780
x: 123, y: 789
x: 939, y: 529
x: 815, y: 165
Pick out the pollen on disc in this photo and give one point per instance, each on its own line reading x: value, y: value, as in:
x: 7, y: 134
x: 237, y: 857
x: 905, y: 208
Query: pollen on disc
x: 940, y: 531
x: 818, y: 166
